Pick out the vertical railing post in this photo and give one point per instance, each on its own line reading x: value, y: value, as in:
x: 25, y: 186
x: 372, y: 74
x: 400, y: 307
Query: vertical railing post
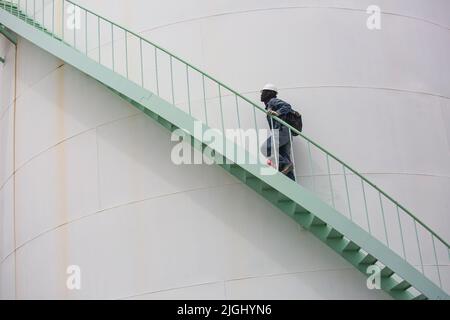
x: 112, y: 48
x: 204, y: 98
x: 142, y: 62
x: 188, y: 89
x: 313, y: 178
x: 365, y: 206
x: 63, y: 24
x: 436, y: 260
x: 418, y: 245
x: 292, y: 158
x: 384, y: 219
x: 226, y: 153
x: 171, y: 79
x: 348, y: 194
x: 330, y: 182
x: 126, y: 54
x: 156, y: 71
x: 221, y: 109
x: 75, y: 27
x: 86, y: 30
x: 53, y: 18
x: 401, y: 233
x: 274, y: 146
x: 237, y: 111
x: 258, y: 158
x: 99, y: 41
x: 239, y: 122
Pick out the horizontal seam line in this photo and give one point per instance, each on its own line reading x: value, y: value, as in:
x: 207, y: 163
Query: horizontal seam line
x: 40, y: 153
x: 102, y: 211
x: 239, y: 279
x: 357, y: 87
x: 260, y: 10
x: 237, y: 12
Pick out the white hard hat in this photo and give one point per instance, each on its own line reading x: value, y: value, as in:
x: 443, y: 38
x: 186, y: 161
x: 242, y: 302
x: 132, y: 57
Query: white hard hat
x: 271, y: 87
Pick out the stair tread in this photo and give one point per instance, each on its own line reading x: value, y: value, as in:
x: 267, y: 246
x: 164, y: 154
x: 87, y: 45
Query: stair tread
x: 401, y: 286
x: 334, y: 234
x: 317, y: 222
x: 351, y: 247
x: 369, y: 260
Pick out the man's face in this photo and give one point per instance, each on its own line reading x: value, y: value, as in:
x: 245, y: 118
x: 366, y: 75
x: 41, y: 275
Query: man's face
x: 266, y: 95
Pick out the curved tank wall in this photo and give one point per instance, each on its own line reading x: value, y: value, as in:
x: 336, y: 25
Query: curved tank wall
x: 377, y: 99
x: 86, y: 179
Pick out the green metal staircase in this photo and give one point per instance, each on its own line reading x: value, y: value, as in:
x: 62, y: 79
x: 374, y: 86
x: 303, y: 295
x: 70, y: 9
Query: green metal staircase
x: 339, y: 206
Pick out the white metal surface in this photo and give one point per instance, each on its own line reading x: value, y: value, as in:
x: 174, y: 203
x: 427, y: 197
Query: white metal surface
x: 95, y: 187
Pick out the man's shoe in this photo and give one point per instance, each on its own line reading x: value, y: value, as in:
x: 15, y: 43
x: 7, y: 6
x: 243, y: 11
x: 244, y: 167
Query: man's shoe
x: 288, y: 168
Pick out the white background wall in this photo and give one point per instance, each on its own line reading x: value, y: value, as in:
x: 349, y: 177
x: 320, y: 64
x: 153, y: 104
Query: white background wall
x: 384, y: 93
x: 95, y: 187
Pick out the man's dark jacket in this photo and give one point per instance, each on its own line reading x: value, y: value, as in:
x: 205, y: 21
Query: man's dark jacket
x: 282, y: 108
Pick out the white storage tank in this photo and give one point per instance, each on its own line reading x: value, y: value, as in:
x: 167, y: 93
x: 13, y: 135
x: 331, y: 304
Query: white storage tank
x: 86, y: 179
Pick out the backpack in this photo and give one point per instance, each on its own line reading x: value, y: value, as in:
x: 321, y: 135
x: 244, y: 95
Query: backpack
x: 295, y: 120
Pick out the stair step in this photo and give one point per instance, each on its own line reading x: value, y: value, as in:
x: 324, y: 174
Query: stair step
x: 301, y: 211
x: 334, y: 234
x: 267, y: 187
x: 386, y: 272
x: 420, y: 297
x: 401, y: 286
x: 302, y: 217
x: 316, y: 222
x: 254, y: 183
x: 368, y: 260
x: 270, y: 193
x: 238, y: 172
x: 166, y: 124
x: 351, y: 247
x: 287, y: 206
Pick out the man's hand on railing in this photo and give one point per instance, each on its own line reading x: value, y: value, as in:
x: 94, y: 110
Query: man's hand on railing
x: 273, y: 113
